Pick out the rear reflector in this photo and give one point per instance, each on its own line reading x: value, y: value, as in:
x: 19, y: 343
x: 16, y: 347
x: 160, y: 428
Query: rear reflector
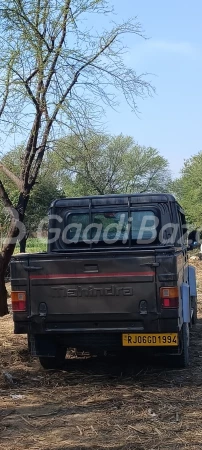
x: 169, y: 297
x: 18, y: 299
x: 170, y: 303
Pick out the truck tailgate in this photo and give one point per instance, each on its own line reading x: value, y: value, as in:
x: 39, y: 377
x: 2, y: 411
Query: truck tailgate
x: 89, y: 288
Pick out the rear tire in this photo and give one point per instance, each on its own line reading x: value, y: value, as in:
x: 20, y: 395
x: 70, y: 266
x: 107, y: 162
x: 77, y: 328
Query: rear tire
x: 55, y: 362
x: 182, y: 360
x: 194, y: 308
x: 29, y: 343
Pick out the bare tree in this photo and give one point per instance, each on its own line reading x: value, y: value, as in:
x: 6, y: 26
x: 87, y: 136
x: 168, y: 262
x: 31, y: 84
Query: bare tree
x: 56, y: 69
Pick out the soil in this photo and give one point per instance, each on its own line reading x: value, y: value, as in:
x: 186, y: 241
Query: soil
x: 95, y: 404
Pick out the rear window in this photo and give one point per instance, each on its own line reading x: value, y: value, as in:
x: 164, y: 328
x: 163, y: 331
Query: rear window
x: 109, y: 227
x: 143, y: 225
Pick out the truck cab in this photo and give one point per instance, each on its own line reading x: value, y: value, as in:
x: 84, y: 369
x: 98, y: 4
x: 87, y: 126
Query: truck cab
x: 115, y: 278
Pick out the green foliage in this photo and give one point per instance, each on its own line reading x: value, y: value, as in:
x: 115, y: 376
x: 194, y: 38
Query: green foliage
x: 44, y: 192
x: 46, y: 189
x: 86, y: 165
x: 104, y: 164
x: 188, y: 189
x: 34, y: 245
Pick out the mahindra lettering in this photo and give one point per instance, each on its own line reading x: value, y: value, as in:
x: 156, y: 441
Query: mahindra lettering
x: 115, y: 278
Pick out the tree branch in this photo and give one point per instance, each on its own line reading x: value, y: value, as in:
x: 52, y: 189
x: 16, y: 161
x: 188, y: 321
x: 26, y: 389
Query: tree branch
x: 12, y: 176
x: 4, y: 196
x: 31, y: 149
x: 24, y: 17
x: 29, y: 91
x: 6, y: 93
x: 58, y: 49
x: 152, y: 175
x: 77, y: 73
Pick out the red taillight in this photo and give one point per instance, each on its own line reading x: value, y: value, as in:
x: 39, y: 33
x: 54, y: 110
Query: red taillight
x: 169, y: 297
x: 18, y: 299
x: 170, y: 302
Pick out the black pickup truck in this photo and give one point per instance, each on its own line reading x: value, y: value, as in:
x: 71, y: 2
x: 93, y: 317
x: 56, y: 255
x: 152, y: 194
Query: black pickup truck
x: 115, y: 278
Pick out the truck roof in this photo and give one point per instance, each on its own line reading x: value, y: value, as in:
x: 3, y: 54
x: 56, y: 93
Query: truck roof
x: 113, y: 199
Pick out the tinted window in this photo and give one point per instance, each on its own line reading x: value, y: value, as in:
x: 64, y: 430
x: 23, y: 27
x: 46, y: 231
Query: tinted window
x: 143, y: 225
x: 109, y: 227
x: 104, y: 227
x: 182, y: 228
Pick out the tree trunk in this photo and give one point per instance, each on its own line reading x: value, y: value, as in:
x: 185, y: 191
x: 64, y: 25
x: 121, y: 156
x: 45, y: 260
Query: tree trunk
x: 7, y: 251
x: 23, y: 243
x: 3, y: 291
x: 5, y: 257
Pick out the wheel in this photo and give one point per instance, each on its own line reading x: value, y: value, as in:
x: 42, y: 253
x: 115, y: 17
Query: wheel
x: 182, y: 360
x: 55, y: 362
x: 194, y: 308
x: 29, y: 343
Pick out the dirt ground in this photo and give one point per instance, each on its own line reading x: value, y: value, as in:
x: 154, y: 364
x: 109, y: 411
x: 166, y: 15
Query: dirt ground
x: 99, y: 405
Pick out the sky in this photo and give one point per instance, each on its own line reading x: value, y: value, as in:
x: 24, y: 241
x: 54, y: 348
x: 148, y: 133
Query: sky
x: 171, y: 120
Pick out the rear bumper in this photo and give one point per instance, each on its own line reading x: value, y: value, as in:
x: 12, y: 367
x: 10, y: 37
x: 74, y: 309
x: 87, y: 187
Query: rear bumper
x: 94, y: 343
x: 91, y: 336
x: 39, y: 325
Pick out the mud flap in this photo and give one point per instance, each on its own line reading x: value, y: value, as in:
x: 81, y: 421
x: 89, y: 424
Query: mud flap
x: 43, y: 346
x: 192, y: 281
x: 186, y: 303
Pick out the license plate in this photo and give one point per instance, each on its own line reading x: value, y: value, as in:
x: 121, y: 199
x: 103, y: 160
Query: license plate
x: 150, y: 340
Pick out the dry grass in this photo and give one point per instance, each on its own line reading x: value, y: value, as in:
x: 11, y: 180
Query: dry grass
x: 99, y: 405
